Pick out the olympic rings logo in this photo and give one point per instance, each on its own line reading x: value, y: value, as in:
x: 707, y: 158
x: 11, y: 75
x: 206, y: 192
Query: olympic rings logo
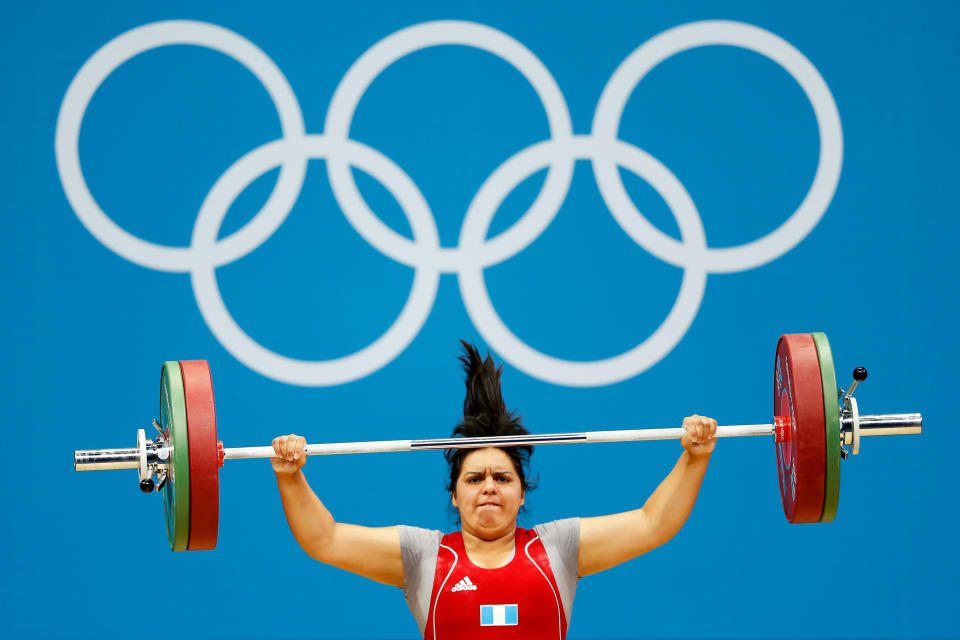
x: 474, y: 252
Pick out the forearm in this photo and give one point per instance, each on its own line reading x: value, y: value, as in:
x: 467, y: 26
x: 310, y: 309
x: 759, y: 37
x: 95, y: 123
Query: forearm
x: 310, y: 522
x: 670, y: 505
x: 606, y: 541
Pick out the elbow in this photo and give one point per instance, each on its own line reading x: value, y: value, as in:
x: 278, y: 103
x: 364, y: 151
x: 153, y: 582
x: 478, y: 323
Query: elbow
x: 661, y: 538
x: 664, y: 532
x: 318, y: 546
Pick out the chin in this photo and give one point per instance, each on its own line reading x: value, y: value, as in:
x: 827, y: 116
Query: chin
x: 495, y: 523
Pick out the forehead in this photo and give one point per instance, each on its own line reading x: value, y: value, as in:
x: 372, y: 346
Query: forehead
x: 486, y: 459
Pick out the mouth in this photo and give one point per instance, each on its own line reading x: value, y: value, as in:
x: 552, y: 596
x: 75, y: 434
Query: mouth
x: 489, y: 504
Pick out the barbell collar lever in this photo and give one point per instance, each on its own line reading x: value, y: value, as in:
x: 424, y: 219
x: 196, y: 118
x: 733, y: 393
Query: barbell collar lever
x: 859, y: 375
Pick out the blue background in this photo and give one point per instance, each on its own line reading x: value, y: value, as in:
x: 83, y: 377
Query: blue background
x: 86, y: 330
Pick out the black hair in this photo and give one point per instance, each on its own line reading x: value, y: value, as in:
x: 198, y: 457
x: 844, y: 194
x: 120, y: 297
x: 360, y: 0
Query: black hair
x: 486, y: 414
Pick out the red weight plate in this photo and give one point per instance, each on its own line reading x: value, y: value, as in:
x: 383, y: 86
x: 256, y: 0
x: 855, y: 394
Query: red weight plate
x: 801, y: 456
x: 204, y: 458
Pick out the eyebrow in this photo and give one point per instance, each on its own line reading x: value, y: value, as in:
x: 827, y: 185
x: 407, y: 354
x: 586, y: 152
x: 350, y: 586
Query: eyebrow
x: 497, y: 471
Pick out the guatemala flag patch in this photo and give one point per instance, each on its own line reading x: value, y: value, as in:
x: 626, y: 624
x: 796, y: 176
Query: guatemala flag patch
x: 498, y: 615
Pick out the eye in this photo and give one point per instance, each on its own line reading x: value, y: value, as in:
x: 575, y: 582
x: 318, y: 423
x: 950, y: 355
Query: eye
x: 503, y: 479
x: 473, y: 479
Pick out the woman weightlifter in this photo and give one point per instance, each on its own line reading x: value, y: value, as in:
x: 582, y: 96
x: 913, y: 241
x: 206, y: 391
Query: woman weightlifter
x: 491, y: 573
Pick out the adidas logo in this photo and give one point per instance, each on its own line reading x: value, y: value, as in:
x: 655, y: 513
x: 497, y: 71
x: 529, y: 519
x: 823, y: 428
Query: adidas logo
x: 464, y: 585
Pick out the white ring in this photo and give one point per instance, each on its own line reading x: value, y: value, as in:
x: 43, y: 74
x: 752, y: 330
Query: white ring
x: 290, y: 370
x: 399, y: 44
x: 606, y: 123
x: 598, y: 372
x: 100, y: 65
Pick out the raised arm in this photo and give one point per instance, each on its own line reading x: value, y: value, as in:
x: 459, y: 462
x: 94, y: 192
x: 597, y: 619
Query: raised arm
x: 370, y: 552
x: 607, y: 541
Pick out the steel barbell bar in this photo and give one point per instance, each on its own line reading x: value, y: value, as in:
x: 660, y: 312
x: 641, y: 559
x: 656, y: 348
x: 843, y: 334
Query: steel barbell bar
x: 130, y: 457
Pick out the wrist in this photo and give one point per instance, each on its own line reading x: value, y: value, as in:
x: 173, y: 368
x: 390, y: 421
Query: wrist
x: 698, y: 458
x: 285, y: 477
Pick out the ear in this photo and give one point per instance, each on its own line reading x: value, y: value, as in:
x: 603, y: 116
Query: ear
x: 523, y: 497
x: 453, y: 499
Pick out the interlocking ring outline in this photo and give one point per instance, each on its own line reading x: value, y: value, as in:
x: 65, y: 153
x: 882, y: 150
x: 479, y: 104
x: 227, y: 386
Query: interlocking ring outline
x: 474, y: 251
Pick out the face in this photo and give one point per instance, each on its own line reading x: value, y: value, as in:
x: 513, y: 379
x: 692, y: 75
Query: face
x: 488, y: 493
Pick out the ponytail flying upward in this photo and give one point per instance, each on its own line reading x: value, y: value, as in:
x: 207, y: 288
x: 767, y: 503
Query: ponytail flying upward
x: 485, y: 414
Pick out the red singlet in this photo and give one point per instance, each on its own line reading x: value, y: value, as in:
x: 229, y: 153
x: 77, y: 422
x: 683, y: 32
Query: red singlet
x: 519, y: 600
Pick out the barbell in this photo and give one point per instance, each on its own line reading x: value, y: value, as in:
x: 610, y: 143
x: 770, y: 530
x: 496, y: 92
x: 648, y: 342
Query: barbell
x: 813, y: 423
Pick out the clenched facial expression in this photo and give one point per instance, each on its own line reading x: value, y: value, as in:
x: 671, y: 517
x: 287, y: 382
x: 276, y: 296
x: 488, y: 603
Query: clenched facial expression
x: 488, y: 493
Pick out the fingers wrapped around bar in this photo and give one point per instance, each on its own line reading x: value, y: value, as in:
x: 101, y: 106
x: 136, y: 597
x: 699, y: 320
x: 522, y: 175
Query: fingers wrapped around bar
x: 700, y: 434
x: 289, y: 454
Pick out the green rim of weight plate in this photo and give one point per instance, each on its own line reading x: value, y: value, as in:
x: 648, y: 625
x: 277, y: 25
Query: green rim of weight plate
x: 173, y: 421
x: 831, y: 414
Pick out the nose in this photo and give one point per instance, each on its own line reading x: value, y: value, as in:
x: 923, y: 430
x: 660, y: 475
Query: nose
x: 489, y: 485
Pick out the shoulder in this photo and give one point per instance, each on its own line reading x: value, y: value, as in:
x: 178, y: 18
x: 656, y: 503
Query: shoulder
x: 560, y: 532
x: 417, y: 541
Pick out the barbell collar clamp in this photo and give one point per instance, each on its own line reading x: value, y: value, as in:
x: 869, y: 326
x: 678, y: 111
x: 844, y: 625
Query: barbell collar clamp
x: 143, y: 466
x: 851, y: 414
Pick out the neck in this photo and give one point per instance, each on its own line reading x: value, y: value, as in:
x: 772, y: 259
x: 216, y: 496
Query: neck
x: 494, y: 541
x: 490, y: 552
